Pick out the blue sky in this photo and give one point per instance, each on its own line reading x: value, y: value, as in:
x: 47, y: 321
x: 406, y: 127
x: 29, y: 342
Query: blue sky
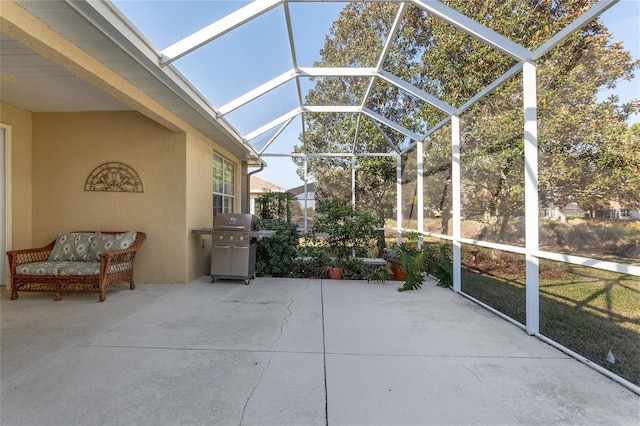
x: 259, y: 51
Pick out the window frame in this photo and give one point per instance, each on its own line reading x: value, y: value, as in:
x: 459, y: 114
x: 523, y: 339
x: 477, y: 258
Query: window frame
x: 223, y: 184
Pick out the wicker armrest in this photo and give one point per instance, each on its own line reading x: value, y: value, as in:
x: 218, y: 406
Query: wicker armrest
x: 124, y: 254
x: 18, y: 257
x: 127, y: 255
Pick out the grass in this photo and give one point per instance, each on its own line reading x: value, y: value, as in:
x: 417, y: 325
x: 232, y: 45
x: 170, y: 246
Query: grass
x: 586, y: 310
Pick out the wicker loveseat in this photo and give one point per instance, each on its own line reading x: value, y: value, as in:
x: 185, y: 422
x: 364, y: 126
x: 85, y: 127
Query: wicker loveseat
x: 76, y: 262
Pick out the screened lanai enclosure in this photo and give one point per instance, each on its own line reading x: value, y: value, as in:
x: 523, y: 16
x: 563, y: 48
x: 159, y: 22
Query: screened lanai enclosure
x: 507, y: 129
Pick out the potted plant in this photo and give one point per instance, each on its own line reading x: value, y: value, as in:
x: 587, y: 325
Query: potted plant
x: 409, y: 257
x: 345, y: 231
x: 335, y: 273
x: 415, y: 261
x: 381, y: 273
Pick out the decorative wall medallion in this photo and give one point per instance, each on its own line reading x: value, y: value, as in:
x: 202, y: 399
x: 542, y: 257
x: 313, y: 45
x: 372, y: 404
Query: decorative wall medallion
x: 113, y: 177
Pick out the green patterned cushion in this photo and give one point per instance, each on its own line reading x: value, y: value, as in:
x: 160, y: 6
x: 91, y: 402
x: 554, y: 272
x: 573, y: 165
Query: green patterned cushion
x: 110, y: 242
x: 72, y: 246
x: 80, y: 268
x: 59, y: 268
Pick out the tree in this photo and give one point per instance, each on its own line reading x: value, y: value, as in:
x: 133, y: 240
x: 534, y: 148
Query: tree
x: 356, y: 40
x: 274, y: 205
x: 585, y: 155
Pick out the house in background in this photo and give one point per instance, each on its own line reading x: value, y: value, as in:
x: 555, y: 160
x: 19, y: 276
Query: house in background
x: 298, y: 194
x: 552, y: 212
x: 258, y: 187
x: 305, y: 198
x: 617, y: 211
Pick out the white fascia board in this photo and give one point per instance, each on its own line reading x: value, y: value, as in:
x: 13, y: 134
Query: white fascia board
x: 578, y: 23
x: 395, y: 126
x: 274, y: 123
x: 474, y: 29
x: 122, y: 32
x: 126, y: 32
x: 418, y: 93
x: 336, y: 72
x: 257, y: 92
x: 217, y: 29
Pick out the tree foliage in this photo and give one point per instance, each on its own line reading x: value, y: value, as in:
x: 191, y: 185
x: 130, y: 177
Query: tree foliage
x: 347, y: 229
x: 274, y: 205
x: 587, y: 154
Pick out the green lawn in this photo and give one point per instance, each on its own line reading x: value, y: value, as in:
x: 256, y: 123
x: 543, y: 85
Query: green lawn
x: 587, y: 310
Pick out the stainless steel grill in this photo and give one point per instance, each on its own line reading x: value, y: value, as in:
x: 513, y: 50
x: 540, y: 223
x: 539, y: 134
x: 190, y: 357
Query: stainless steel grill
x: 233, y: 247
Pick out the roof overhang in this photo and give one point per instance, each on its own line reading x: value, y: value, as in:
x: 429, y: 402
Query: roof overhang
x: 106, y: 35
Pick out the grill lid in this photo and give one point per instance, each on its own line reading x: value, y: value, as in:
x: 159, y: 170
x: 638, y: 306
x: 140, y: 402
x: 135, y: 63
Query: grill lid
x: 241, y: 222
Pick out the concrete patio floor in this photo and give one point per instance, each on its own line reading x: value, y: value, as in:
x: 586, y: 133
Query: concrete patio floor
x: 287, y: 352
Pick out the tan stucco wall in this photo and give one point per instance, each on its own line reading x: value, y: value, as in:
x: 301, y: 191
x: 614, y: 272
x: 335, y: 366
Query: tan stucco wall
x: 199, y: 203
x: 171, y: 157
x: 21, y: 196
x: 67, y: 147
x: 49, y: 175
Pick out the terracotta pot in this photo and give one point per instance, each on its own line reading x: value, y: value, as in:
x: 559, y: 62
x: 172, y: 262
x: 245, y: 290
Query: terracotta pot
x: 335, y: 274
x: 398, y: 273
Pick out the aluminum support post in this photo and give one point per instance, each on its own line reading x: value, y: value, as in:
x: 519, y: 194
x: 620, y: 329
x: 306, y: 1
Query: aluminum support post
x: 399, y: 197
x: 420, y: 189
x: 306, y: 199
x: 531, y: 197
x: 353, y: 194
x: 456, y: 204
x: 353, y: 182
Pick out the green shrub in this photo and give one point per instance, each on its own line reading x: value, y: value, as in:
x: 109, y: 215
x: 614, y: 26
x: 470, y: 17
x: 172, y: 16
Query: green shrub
x: 347, y: 229
x: 353, y: 269
x: 436, y: 260
x: 275, y: 254
x: 380, y: 274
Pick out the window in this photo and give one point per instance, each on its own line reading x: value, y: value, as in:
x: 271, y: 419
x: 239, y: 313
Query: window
x: 223, y: 187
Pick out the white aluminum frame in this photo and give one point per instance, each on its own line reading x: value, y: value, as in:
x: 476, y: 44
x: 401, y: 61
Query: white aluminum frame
x: 524, y: 62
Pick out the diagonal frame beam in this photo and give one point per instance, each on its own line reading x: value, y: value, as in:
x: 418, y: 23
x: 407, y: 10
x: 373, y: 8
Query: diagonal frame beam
x: 474, y: 29
x: 290, y: 75
x: 418, y: 93
x: 216, y: 29
x: 392, y: 124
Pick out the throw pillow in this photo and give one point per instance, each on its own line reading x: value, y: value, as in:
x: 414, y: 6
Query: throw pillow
x: 72, y: 246
x: 110, y: 242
